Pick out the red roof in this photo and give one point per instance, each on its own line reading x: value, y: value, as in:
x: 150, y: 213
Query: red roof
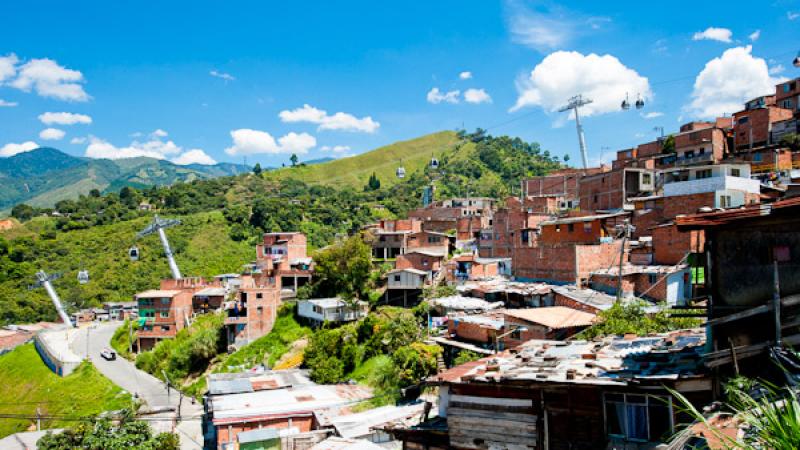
x: 706, y: 220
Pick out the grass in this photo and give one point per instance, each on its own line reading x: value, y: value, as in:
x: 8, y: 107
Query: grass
x: 268, y: 349
x: 356, y: 170
x: 121, y: 341
x: 363, y: 373
x: 27, y: 384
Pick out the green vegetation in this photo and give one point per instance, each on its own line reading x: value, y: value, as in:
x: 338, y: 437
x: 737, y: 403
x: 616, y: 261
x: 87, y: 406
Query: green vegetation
x: 769, y: 414
x: 201, y: 245
x: 27, y: 384
x: 122, y: 433
x: 189, y: 353
x: 343, y: 269
x: 267, y: 349
x: 623, y: 318
x: 465, y: 356
x: 123, y: 337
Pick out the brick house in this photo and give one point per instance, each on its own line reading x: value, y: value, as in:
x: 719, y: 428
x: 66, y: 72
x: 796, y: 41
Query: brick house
x: 428, y: 260
x: 787, y: 95
x: 253, y: 311
x: 753, y: 125
x: 670, y: 284
x: 473, y: 267
x: 713, y: 186
x: 498, y: 240
x: 700, y: 143
x: 162, y: 313
x: 611, y: 190
x: 286, y: 254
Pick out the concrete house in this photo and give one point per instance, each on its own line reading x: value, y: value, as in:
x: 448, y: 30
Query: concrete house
x: 333, y: 310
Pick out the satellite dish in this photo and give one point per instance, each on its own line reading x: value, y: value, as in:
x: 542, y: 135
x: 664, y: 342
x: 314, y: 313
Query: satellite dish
x: 83, y: 276
x: 133, y: 253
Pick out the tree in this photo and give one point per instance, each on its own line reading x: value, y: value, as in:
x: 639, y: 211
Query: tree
x: 374, y: 183
x: 343, y: 269
x: 105, y: 434
x: 669, y: 144
x: 415, y: 362
x: 293, y: 159
x: 791, y: 140
x: 22, y: 212
x: 257, y: 169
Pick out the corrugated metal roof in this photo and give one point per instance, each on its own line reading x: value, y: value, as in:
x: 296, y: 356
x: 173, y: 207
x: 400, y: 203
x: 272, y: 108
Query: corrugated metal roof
x: 337, y: 443
x: 582, y: 219
x: 553, y: 316
x: 361, y: 424
x: 157, y: 293
x: 210, y: 292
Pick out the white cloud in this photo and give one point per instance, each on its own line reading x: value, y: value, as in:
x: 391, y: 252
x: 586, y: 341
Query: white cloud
x: 77, y: 140
x: 339, y: 121
x: 466, y: 75
x: 247, y: 142
x: 335, y: 148
x: 436, y: 96
x: 726, y: 82
x: 792, y: 15
x: 774, y: 70
x: 652, y: 115
x: 159, y: 133
x: 52, y: 134
x: 222, y: 75
x: 49, y: 79
x: 560, y: 75
x: 754, y: 35
x: 8, y: 66
x: 713, y: 34
x: 152, y: 148
x: 477, y: 96
x: 12, y: 149
x: 5, y: 104
x: 194, y: 156
x: 64, y: 118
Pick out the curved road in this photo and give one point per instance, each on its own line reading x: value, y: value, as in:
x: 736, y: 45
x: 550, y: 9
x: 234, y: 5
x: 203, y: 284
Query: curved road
x: 153, y: 391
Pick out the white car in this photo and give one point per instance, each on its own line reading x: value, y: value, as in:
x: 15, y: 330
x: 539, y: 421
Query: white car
x: 108, y: 354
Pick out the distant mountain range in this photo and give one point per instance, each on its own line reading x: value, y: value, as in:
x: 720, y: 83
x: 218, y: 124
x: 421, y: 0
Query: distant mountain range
x: 44, y: 176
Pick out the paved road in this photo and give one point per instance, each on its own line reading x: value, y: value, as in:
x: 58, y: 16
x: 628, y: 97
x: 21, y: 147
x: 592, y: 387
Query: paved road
x: 153, y: 391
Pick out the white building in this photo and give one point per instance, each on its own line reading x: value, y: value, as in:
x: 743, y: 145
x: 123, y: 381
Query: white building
x: 728, y: 182
x: 321, y: 310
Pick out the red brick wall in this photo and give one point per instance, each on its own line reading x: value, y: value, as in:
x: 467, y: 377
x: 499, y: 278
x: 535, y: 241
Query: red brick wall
x: 687, y: 204
x: 563, y: 184
x: 561, y: 300
x: 649, y: 149
x: 602, y: 191
x: 558, y: 262
x: 472, y: 332
x: 593, y: 257
x: 555, y: 234
x: 416, y: 261
x: 671, y: 245
x: 712, y: 139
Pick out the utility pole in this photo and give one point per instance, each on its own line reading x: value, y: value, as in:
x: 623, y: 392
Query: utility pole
x: 660, y: 129
x: 130, y: 336
x: 626, y: 229
x: 575, y: 103
x: 776, y: 302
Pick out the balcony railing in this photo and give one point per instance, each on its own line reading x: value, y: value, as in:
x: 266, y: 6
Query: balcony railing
x: 684, y: 161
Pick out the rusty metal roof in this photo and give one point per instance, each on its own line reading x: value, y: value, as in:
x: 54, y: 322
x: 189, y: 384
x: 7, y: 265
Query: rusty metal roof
x: 554, y: 317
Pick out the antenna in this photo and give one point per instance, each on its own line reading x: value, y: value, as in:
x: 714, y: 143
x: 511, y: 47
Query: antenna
x: 575, y: 103
x: 44, y: 279
x: 157, y: 226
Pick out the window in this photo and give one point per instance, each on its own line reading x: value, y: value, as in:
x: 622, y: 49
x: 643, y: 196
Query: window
x: 700, y: 174
x: 757, y: 157
x: 259, y: 295
x: 636, y: 417
x: 571, y: 227
x: 647, y: 178
x: 736, y: 173
x: 652, y: 278
x: 164, y: 327
x: 163, y: 314
x: 702, y: 151
x: 743, y: 120
x: 558, y: 228
x: 689, y: 154
x: 516, y: 334
x: 525, y: 236
x: 397, y: 278
x: 587, y: 227
x: 725, y: 201
x: 425, y: 263
x: 787, y: 104
x: 165, y: 301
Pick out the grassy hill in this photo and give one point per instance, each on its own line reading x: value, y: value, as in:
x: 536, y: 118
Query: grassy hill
x: 27, y: 384
x: 354, y: 171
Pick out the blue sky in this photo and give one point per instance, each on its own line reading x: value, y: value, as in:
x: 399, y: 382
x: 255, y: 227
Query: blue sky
x: 203, y: 81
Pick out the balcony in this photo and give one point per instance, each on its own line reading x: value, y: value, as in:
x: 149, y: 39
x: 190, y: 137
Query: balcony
x: 713, y: 184
x: 696, y: 159
x: 155, y: 332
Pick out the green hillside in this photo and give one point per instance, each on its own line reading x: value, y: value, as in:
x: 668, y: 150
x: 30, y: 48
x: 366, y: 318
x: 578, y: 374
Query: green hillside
x: 354, y: 171
x: 45, y: 176
x: 202, y: 247
x: 27, y: 384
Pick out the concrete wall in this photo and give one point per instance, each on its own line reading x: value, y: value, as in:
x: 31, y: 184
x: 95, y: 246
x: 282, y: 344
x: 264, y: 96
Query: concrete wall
x: 53, y: 348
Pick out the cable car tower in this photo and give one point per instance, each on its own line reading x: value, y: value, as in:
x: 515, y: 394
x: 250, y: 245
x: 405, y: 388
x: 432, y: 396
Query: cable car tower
x: 575, y: 103
x: 157, y: 226
x: 44, y: 279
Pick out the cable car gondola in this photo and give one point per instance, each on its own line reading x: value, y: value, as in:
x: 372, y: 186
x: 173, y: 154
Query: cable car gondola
x: 639, y: 102
x: 401, y: 171
x: 133, y: 253
x: 796, y: 61
x: 626, y: 105
x: 83, y: 276
x: 434, y: 163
